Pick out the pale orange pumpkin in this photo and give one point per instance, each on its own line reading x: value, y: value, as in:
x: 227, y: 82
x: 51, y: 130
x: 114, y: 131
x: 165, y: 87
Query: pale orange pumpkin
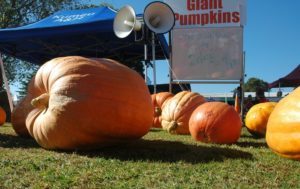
x: 159, y: 100
x: 215, y: 122
x: 177, y: 111
x: 257, y: 118
x: 84, y: 104
x: 21, y: 110
x: 2, y: 116
x: 283, y: 128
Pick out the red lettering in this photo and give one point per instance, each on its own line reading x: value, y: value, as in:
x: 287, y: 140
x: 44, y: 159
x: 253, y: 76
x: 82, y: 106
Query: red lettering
x: 236, y: 17
x: 226, y: 17
x: 176, y: 16
x: 183, y: 19
x: 194, y: 19
x: 190, y: 5
x: 204, y: 19
x: 204, y: 4
x: 213, y: 17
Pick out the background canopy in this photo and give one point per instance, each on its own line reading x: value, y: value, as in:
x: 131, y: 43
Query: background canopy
x: 86, y: 32
x: 290, y: 80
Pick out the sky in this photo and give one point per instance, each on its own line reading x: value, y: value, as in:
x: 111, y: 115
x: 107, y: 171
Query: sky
x: 271, y: 41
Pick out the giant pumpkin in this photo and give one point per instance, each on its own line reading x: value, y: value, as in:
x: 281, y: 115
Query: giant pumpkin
x: 177, y: 111
x: 83, y: 104
x: 215, y: 122
x: 159, y: 100
x: 283, y: 128
x: 257, y: 118
x: 2, y: 116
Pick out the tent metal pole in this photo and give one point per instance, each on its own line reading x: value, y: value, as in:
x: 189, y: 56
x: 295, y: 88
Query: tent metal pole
x: 146, y: 59
x: 10, y: 101
x: 153, y: 62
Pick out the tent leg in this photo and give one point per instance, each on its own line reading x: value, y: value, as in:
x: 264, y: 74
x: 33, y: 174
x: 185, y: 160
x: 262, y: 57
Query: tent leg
x: 6, y: 85
x: 153, y: 62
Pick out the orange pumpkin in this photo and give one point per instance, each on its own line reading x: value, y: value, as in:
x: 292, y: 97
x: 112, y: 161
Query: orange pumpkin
x: 215, y: 122
x: 257, y: 118
x: 83, y: 104
x: 159, y: 100
x: 21, y: 110
x: 283, y: 127
x: 177, y: 111
x: 2, y: 116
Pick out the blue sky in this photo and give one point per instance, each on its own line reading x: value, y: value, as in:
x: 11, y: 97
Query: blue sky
x: 271, y: 41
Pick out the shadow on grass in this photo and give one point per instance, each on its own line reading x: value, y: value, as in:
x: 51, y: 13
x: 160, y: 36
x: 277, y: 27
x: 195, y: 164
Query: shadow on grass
x: 168, y: 151
x: 13, y: 141
x: 252, y: 144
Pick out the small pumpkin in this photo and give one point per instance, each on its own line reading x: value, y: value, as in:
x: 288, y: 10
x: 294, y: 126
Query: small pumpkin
x: 283, y: 128
x: 257, y: 118
x: 215, y: 122
x: 2, y: 116
x: 83, y: 104
x: 159, y: 100
x: 177, y: 111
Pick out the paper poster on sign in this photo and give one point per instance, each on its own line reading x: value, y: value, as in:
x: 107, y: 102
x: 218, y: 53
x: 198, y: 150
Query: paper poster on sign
x: 207, y: 54
x: 208, y: 13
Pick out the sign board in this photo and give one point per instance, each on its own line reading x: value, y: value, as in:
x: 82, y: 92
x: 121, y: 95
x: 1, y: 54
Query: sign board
x: 207, y: 54
x: 208, y: 13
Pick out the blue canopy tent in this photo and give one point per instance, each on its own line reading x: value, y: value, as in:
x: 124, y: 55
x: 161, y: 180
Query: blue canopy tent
x: 85, y: 32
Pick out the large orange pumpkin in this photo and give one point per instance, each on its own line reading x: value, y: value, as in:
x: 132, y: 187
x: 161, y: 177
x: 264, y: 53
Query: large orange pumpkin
x: 257, y: 118
x: 215, y: 122
x: 83, y: 104
x: 283, y: 128
x: 159, y: 100
x: 2, y: 116
x: 177, y: 111
x: 21, y: 110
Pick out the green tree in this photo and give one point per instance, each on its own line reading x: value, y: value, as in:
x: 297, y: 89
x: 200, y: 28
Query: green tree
x: 254, y: 85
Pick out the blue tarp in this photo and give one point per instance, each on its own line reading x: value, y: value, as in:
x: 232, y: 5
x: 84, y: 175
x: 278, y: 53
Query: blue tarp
x: 85, y: 32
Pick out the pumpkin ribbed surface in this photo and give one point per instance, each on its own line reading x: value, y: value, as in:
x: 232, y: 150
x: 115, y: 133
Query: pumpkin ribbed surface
x: 2, y: 116
x: 177, y: 111
x: 283, y: 128
x: 257, y: 118
x: 159, y: 100
x: 82, y: 103
x: 215, y: 122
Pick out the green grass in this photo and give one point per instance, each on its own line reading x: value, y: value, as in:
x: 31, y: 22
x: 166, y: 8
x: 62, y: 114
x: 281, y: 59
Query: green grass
x: 159, y: 160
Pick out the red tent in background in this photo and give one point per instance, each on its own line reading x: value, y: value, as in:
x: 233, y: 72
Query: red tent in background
x: 290, y: 80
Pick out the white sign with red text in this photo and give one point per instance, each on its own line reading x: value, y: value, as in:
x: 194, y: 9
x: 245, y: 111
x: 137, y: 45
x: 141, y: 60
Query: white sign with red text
x: 208, y: 13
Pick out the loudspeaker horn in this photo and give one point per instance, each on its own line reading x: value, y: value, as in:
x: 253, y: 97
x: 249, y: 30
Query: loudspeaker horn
x: 125, y: 22
x: 159, y: 17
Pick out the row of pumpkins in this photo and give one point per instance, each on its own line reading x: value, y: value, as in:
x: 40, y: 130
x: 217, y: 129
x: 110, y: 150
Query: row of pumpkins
x: 79, y: 103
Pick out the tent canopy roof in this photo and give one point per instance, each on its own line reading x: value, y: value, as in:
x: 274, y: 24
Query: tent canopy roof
x: 85, y: 32
x: 290, y: 80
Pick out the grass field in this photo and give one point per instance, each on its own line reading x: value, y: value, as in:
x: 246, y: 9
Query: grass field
x: 159, y: 160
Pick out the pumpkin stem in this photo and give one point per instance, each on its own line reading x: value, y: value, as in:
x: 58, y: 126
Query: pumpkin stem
x: 41, y: 101
x: 157, y: 111
x: 172, y: 126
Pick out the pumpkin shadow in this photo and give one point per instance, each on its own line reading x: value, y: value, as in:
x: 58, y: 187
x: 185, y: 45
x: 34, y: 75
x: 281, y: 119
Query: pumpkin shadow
x: 13, y: 141
x: 252, y: 144
x: 167, y: 151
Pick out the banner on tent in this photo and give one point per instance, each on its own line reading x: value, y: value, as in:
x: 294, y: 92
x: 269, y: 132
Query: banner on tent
x: 207, y: 54
x: 208, y: 13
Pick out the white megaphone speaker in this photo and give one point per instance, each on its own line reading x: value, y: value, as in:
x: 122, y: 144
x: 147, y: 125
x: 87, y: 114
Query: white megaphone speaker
x: 125, y: 22
x: 159, y: 17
